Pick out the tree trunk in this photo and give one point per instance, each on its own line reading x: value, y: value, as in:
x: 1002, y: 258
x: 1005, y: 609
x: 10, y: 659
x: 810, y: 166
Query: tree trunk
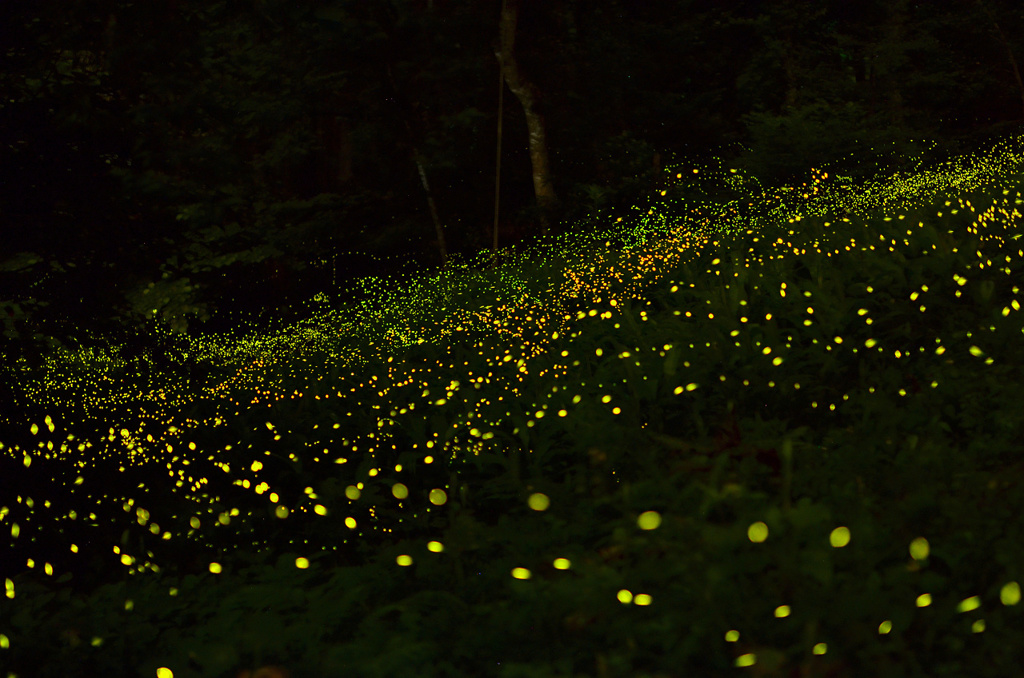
x: 417, y: 158
x: 497, y: 160
x: 528, y: 96
x: 1009, y: 50
x: 336, y: 136
x: 897, y: 20
x: 790, y: 68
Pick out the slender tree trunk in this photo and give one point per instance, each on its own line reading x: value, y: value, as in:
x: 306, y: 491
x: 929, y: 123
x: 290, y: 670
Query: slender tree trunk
x: 790, y: 68
x: 497, y: 160
x: 417, y: 158
x: 1009, y: 50
x: 897, y: 21
x: 442, y: 248
x: 336, y: 134
x: 528, y: 96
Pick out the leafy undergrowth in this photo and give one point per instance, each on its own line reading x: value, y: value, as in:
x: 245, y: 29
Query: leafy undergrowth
x: 790, y: 451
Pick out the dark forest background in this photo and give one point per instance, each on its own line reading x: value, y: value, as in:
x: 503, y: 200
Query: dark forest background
x: 175, y: 162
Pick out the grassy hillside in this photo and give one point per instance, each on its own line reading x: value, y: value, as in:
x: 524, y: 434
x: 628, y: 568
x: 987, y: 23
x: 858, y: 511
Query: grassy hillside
x: 778, y: 436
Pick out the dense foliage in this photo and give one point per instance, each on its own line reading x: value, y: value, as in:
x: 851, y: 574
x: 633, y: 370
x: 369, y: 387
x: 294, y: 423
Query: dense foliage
x: 782, y: 438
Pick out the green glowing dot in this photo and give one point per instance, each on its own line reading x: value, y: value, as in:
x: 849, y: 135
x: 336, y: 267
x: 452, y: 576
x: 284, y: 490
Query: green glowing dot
x: 919, y: 548
x: 757, y: 532
x: 649, y: 520
x: 539, y: 501
x: 352, y: 492
x: 732, y: 635
x: 820, y: 648
x: 969, y: 604
x: 1010, y: 593
x: 839, y: 537
x: 746, y: 660
x: 885, y: 627
x: 400, y: 491
x: 438, y: 496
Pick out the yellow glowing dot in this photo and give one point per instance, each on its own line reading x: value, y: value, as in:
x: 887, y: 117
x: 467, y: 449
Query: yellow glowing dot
x: 562, y: 563
x: 782, y: 611
x: 435, y: 546
x: 839, y: 537
x: 400, y: 491
x: 281, y: 512
x: 757, y: 532
x: 539, y: 501
x: 404, y: 560
x: 642, y: 599
x: 969, y: 604
x: 352, y: 492
x: 438, y: 496
x: 625, y: 596
x: 732, y: 636
x: 350, y: 523
x: 1010, y: 593
x: 164, y: 672
x: 215, y: 568
x: 924, y: 600
x: 649, y: 520
x: 256, y: 466
x: 919, y: 548
x: 748, y: 659
x: 320, y: 510
x: 885, y: 627
x: 521, y: 573
x: 302, y: 563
